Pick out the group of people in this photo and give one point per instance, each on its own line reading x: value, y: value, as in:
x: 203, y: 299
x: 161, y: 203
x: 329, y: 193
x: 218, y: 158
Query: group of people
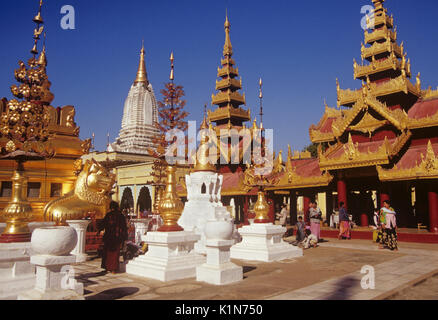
x: 309, y: 235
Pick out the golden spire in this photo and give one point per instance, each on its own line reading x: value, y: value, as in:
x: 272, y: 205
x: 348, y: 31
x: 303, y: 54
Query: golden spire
x: 172, y: 75
x: 38, y: 19
x: 141, y: 73
x: 228, y: 48
x: 203, y: 162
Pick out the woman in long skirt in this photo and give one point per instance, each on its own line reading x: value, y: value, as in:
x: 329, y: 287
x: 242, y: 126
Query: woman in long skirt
x: 387, y: 237
x: 115, y: 234
x: 344, y: 223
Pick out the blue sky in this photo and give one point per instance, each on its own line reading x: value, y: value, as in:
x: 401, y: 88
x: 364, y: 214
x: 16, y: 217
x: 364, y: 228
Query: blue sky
x: 297, y: 47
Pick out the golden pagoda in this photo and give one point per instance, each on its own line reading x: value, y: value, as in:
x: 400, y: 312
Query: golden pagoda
x: 383, y: 141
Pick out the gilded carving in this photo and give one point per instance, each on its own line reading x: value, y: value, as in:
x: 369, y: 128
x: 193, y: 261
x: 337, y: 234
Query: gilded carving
x: 91, y: 193
x: 426, y: 169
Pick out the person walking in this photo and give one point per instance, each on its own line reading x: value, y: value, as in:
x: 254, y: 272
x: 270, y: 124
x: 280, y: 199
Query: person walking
x: 387, y: 237
x: 344, y: 223
x: 114, y: 225
x: 315, y: 220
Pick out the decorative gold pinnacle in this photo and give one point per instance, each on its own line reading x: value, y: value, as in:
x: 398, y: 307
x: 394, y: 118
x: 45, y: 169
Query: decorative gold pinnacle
x: 228, y: 48
x: 203, y: 162
x: 141, y: 73
x: 172, y: 67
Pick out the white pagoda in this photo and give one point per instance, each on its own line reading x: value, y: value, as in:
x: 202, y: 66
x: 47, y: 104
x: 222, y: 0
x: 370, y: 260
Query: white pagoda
x: 139, y: 115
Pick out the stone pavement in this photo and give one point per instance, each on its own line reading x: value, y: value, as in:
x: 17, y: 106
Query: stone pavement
x: 331, y: 271
x: 390, y: 276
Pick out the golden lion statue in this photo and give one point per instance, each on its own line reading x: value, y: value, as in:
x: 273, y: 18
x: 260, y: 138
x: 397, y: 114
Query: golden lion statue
x: 91, y: 194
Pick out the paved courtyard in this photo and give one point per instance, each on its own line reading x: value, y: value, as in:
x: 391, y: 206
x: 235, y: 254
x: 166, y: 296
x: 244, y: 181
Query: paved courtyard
x: 330, y: 272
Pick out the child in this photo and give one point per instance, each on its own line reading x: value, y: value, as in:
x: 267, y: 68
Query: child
x: 300, y: 229
x: 310, y: 240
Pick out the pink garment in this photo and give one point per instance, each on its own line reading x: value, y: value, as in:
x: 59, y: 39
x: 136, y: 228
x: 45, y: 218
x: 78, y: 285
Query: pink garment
x: 315, y: 228
x: 390, y: 221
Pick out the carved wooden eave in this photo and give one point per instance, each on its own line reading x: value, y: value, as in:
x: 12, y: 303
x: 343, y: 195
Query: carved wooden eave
x: 379, y: 34
x: 426, y: 169
x: 429, y: 94
x: 228, y: 112
x: 379, y: 48
x: 376, y: 66
x: 316, y: 136
x: 368, y: 124
x: 429, y: 121
x: 292, y: 180
x: 398, y: 117
x: 347, y: 97
x: 352, y: 157
x: 385, y: 19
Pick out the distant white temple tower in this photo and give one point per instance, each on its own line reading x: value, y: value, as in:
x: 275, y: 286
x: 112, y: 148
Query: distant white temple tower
x: 139, y: 115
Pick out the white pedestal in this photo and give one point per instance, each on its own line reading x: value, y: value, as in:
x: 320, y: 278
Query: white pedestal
x: 141, y: 228
x: 81, y: 230
x: 264, y: 242
x: 170, y: 257
x: 17, y: 274
x: 219, y: 270
x: 53, y: 282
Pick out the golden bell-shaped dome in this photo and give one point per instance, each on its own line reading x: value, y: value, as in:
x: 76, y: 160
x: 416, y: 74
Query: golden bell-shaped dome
x: 261, y: 208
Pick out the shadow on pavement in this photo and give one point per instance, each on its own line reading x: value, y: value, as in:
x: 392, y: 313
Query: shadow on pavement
x: 343, y: 289
x: 114, y: 294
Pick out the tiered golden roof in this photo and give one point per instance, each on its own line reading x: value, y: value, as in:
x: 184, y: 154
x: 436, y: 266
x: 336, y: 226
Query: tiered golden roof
x: 228, y: 99
x: 386, y: 59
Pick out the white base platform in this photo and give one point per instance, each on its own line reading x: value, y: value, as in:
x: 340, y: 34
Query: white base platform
x: 52, y: 282
x: 170, y: 256
x: 223, y: 274
x: 17, y: 274
x: 219, y: 270
x: 264, y: 242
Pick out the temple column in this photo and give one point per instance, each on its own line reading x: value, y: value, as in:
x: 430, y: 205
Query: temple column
x: 329, y: 205
x: 433, y: 209
x: 342, y: 192
x: 306, y: 206
x: 293, y: 208
x: 384, y: 194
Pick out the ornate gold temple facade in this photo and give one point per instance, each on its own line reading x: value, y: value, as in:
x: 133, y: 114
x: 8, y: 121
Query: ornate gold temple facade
x: 55, y: 176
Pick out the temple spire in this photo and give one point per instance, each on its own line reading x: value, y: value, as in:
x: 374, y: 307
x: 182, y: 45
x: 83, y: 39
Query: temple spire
x: 228, y: 48
x: 141, y: 73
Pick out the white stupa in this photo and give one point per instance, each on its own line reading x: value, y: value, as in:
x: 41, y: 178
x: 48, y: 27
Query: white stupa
x: 204, y: 186
x: 139, y: 115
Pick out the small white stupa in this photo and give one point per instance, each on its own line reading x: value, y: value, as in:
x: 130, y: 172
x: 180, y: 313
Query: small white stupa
x: 204, y: 186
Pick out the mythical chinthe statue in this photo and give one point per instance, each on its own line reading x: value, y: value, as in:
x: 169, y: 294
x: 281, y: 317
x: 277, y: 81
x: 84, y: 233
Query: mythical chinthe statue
x: 91, y: 194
